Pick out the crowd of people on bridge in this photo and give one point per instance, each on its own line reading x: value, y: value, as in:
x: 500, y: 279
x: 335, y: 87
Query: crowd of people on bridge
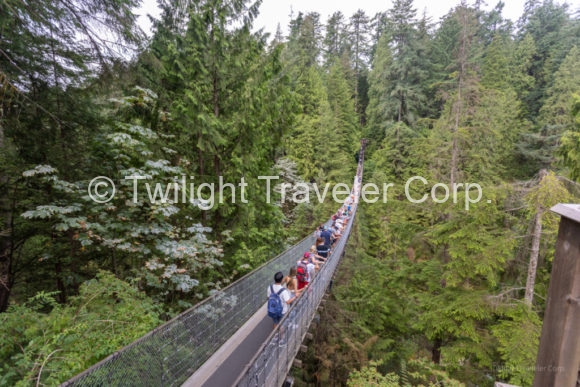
x: 288, y: 288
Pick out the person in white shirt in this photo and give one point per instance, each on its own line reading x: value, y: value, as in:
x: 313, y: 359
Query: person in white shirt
x: 286, y: 296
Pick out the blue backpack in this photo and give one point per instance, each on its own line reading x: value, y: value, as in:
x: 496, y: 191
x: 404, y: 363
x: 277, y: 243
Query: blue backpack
x: 275, y: 306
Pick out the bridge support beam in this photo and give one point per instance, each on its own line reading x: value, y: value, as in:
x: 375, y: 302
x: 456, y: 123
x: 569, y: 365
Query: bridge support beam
x: 558, y: 358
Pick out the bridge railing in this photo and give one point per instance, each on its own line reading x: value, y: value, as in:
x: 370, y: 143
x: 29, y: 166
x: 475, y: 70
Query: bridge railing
x: 272, y: 363
x: 171, y: 353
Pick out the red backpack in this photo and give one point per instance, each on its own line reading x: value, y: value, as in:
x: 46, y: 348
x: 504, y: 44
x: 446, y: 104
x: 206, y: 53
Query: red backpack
x: 302, y: 275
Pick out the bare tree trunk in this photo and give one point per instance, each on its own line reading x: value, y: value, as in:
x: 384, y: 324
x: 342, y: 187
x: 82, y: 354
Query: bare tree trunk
x: 6, y: 251
x: 6, y: 245
x: 535, y: 252
x: 6, y: 239
x: 457, y: 110
x: 533, y: 265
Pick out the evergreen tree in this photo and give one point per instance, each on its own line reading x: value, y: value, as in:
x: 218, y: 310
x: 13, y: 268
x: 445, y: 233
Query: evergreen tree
x: 406, y: 73
x: 49, y: 51
x: 379, y: 111
x: 557, y: 106
x: 521, y: 63
x: 335, y: 42
x: 547, y: 23
x: 546, y: 194
x: 570, y: 144
x: 496, y: 67
x: 378, y: 25
x: 493, y: 23
x: 539, y: 147
x: 343, y: 141
x: 359, y: 47
x: 305, y: 40
x: 463, y: 94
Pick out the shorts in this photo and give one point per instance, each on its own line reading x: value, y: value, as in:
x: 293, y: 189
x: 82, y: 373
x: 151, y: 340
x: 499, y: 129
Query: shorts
x: 276, y: 319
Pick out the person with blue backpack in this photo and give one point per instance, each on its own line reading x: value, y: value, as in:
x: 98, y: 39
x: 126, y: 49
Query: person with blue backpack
x: 278, y: 299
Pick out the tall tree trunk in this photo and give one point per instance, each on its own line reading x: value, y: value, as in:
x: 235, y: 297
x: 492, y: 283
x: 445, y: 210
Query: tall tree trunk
x: 462, y: 61
x: 532, y: 266
x: 436, y: 351
x: 6, y: 250
x: 457, y: 106
x: 59, y: 283
x: 535, y: 252
x: 6, y: 233
x: 201, y: 169
x: 400, y: 107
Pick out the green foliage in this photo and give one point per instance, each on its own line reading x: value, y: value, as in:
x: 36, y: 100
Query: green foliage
x: 407, y: 72
x: 378, y: 109
x: 570, y: 144
x: 549, y: 24
x: 369, y: 376
x: 521, y: 63
x: 557, y: 108
x: 518, y: 335
x: 335, y: 40
x: 496, y: 71
x: 147, y: 221
x: 44, y: 342
x: 549, y: 192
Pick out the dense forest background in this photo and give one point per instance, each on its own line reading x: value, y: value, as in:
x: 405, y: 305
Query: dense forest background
x: 429, y: 293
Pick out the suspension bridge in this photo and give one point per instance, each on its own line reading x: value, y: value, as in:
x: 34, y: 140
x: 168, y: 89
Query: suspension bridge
x: 228, y: 339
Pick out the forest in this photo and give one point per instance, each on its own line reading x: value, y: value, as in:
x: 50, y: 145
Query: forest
x: 429, y: 294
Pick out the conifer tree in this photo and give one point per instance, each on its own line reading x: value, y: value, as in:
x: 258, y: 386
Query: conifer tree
x: 496, y: 67
x: 335, y: 43
x: 539, y: 147
x: 359, y: 47
x: 521, y: 63
x: 462, y: 92
x: 557, y: 106
x: 49, y: 51
x: 406, y: 72
x: 548, y: 192
x: 379, y: 111
x: 547, y: 22
x: 570, y: 144
x: 305, y: 40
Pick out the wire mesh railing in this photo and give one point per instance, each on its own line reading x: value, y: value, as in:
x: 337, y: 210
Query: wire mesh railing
x: 171, y: 353
x: 272, y: 363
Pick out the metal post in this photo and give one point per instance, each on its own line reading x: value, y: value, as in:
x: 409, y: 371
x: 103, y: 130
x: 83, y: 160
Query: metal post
x: 558, y: 358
